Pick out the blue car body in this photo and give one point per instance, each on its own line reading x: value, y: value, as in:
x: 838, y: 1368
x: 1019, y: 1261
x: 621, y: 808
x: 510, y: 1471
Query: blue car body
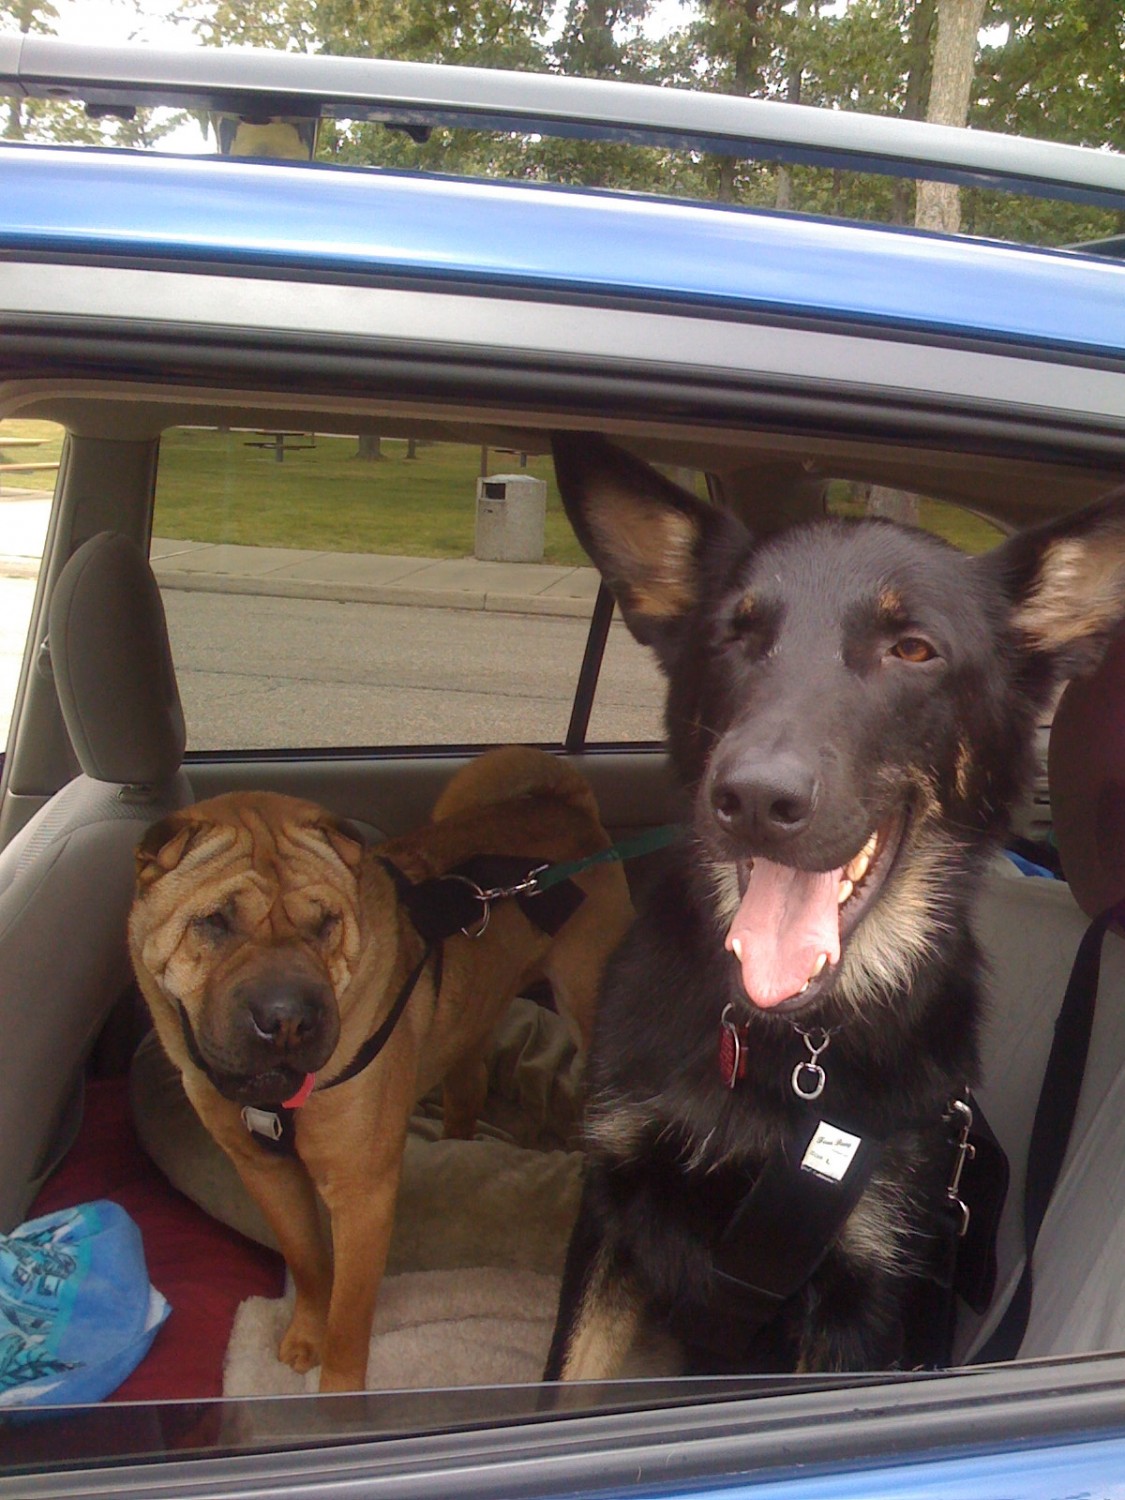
x: 573, y: 243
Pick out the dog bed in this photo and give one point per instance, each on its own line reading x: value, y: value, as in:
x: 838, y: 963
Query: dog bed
x: 477, y: 1326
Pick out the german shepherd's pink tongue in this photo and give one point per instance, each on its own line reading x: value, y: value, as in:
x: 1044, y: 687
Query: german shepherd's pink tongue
x: 785, y: 931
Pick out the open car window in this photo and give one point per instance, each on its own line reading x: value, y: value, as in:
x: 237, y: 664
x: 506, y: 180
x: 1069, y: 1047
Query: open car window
x: 328, y: 590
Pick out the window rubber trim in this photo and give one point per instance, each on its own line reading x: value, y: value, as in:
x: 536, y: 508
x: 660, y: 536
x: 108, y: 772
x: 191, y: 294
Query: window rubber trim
x: 561, y: 385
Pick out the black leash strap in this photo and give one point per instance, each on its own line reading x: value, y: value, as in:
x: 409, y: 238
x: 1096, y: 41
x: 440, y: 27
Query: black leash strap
x: 1050, y: 1132
x: 379, y: 1039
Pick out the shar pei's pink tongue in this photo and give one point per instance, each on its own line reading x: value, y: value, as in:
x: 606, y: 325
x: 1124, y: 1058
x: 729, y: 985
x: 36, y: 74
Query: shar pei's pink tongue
x: 785, y: 930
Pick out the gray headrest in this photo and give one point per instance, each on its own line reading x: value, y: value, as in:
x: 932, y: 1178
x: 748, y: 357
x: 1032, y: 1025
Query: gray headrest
x: 1086, y: 774
x: 113, y: 665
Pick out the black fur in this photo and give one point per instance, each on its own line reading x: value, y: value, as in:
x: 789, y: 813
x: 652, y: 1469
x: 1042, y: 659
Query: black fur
x: 839, y: 678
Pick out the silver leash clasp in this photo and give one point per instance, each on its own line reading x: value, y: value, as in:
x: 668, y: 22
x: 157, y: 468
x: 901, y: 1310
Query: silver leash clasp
x: 960, y: 1113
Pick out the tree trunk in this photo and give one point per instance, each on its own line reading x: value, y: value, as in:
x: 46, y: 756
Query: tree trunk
x: 745, y: 74
x: 919, y: 61
x: 895, y: 505
x: 370, y: 448
x: 792, y: 96
x: 955, y: 53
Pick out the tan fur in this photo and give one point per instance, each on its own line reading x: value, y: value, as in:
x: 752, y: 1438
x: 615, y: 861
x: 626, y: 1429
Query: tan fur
x: 891, y: 608
x: 895, y: 938
x: 654, y: 551
x: 514, y: 771
x: 277, y: 863
x: 964, y: 769
x: 1080, y: 591
x: 608, y: 1320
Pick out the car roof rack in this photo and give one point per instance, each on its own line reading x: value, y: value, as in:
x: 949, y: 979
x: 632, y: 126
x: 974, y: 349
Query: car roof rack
x: 261, y: 84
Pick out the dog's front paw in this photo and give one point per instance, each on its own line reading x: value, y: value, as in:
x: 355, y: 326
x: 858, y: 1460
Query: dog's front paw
x: 301, y: 1344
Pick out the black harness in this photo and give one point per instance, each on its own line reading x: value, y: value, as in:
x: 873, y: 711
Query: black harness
x: 794, y: 1210
x: 458, y: 901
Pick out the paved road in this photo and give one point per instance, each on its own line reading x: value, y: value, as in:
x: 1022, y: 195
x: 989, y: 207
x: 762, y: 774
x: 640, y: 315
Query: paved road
x: 259, y: 672
x: 262, y: 671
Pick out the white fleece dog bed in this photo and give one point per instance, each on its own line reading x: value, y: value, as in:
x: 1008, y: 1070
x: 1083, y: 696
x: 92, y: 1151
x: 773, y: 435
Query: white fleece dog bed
x: 483, y: 1326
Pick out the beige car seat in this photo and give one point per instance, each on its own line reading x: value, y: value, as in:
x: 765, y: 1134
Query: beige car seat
x: 66, y: 879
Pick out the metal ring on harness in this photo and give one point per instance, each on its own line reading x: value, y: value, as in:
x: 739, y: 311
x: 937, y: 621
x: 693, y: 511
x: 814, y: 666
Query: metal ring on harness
x: 818, y: 1080
x: 528, y: 886
x: 484, y: 897
x: 811, y: 1065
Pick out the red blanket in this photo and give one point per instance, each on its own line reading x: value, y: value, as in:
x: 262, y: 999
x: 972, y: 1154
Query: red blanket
x: 203, y: 1268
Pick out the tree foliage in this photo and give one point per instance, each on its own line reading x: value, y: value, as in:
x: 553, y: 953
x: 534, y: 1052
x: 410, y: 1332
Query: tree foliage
x: 1047, y: 68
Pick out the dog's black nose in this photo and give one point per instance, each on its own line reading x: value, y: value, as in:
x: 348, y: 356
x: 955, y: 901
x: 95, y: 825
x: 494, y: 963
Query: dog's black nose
x: 288, y: 1016
x: 769, y: 801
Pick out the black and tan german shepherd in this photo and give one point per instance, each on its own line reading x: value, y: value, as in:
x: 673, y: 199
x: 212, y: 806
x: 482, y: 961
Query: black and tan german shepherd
x: 851, y: 706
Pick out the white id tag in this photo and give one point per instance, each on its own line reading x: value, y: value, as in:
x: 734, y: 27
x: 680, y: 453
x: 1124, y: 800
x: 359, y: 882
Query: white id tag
x: 830, y: 1152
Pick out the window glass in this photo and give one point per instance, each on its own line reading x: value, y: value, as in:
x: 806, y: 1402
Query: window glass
x: 29, y: 462
x: 326, y: 590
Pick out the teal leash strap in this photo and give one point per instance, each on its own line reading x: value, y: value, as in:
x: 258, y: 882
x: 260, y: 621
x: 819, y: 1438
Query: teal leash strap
x: 642, y: 843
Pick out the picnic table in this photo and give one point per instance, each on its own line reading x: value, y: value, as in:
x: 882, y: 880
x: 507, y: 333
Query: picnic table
x: 277, y: 441
x: 21, y: 467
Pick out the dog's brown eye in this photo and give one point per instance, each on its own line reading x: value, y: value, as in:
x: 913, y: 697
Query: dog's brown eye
x: 213, y: 924
x: 327, y: 924
x: 913, y: 649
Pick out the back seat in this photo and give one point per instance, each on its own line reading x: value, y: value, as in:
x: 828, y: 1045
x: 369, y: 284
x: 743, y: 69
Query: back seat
x: 1030, y: 929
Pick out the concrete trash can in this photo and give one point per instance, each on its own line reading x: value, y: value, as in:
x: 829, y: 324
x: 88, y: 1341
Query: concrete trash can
x: 511, y: 518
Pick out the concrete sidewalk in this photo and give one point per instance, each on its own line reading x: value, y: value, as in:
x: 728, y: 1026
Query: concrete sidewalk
x: 446, y: 583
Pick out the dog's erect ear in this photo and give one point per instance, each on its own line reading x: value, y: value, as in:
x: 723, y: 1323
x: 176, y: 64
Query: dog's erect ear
x: 1066, y: 584
x: 164, y: 845
x: 646, y: 535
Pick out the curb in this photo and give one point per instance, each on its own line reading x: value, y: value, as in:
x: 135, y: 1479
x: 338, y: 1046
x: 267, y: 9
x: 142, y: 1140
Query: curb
x: 375, y: 593
x: 560, y: 606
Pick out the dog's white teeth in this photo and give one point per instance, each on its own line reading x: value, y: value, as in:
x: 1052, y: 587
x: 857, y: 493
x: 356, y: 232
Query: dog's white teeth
x: 804, y: 987
x: 819, y: 965
x: 736, y: 948
x: 846, y: 888
x: 858, y: 867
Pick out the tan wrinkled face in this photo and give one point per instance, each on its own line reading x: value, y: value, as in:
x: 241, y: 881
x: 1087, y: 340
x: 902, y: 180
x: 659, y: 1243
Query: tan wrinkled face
x: 247, y: 916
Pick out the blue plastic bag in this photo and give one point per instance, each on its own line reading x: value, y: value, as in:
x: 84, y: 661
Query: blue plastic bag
x: 77, y: 1313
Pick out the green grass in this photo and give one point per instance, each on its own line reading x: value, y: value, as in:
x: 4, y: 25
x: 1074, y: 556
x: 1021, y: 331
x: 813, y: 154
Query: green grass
x: 214, y: 486
x: 49, y: 439
x: 971, y: 533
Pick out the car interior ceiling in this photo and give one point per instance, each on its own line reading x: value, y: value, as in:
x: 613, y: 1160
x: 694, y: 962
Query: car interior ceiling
x: 767, y: 477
